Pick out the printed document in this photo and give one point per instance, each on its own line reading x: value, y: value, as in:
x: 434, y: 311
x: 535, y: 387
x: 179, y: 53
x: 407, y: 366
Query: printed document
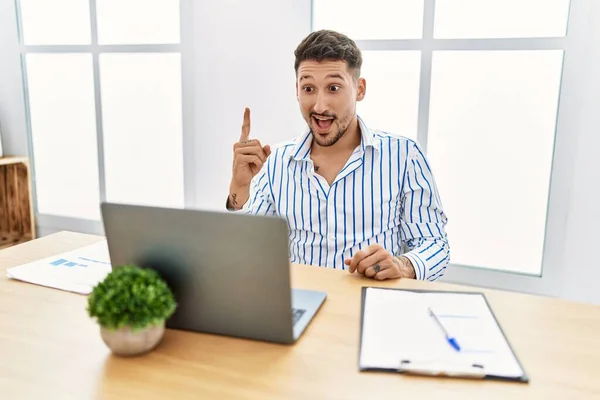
x: 75, y: 271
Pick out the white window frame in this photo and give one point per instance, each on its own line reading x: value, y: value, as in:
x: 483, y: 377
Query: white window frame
x: 49, y: 222
x: 548, y: 282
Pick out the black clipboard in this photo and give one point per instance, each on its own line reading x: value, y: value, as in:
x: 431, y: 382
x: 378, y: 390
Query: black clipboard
x: 476, y: 373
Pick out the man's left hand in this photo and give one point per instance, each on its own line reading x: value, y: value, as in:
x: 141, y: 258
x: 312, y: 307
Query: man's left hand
x: 376, y: 262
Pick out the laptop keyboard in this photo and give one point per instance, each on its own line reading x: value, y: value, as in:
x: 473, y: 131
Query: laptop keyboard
x: 297, y: 313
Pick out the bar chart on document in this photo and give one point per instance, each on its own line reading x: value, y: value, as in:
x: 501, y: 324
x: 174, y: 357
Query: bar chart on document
x: 78, y: 261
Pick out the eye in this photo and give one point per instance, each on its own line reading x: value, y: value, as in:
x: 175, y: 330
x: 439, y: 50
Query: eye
x: 307, y: 89
x: 334, y: 88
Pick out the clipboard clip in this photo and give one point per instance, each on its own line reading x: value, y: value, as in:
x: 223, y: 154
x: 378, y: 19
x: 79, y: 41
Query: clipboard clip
x: 474, y: 371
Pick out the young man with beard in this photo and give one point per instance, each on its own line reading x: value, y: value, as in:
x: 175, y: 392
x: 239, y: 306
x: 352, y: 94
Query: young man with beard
x: 354, y: 198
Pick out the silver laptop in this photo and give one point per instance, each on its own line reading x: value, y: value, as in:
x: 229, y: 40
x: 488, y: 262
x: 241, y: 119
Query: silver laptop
x: 230, y: 273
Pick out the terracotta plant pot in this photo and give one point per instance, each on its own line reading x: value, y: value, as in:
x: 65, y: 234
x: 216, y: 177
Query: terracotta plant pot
x: 125, y: 342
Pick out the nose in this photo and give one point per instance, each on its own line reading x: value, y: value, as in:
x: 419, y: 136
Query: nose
x: 321, y: 104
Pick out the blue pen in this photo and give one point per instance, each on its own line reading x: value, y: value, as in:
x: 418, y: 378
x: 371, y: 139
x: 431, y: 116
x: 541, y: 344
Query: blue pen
x: 449, y: 338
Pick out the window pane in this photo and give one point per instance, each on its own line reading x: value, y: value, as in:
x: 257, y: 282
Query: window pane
x: 500, y: 18
x: 63, y: 124
x: 374, y: 19
x: 141, y: 111
x: 392, y: 100
x: 48, y: 22
x: 491, y: 139
x: 138, y: 21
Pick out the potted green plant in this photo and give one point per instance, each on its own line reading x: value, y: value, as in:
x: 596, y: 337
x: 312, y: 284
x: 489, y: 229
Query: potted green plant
x: 131, y: 306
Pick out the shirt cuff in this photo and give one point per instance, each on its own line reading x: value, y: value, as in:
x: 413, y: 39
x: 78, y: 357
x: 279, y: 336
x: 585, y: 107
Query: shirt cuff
x: 418, y: 264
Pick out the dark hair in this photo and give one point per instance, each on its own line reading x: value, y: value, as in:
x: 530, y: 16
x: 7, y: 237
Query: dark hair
x: 326, y: 45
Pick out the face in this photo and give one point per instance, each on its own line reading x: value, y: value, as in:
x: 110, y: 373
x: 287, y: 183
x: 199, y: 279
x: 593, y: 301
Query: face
x: 327, y: 92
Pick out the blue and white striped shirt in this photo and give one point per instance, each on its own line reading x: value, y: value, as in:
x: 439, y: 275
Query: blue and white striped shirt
x: 385, y: 194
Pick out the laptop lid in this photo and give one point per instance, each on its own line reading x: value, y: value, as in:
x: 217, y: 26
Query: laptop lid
x: 230, y: 273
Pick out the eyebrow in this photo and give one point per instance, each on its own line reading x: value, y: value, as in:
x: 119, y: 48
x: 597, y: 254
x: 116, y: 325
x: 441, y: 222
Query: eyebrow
x: 333, y: 75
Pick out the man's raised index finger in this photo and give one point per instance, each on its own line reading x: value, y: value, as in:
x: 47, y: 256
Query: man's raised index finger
x: 245, y: 126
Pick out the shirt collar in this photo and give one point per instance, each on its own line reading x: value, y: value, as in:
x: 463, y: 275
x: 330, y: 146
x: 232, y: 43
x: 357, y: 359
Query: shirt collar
x: 301, y: 150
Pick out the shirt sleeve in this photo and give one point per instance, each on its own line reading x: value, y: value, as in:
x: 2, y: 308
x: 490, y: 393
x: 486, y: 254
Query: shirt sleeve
x: 423, y: 219
x: 260, y: 201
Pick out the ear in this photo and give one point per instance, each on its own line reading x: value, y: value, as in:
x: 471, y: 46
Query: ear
x: 361, y: 89
x: 297, y: 90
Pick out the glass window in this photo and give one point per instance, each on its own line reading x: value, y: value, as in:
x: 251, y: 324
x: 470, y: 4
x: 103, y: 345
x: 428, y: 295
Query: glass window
x: 138, y: 21
x: 63, y: 125
x: 46, y: 22
x: 491, y: 138
x: 141, y: 111
x: 374, y: 19
x: 500, y: 18
x: 392, y: 99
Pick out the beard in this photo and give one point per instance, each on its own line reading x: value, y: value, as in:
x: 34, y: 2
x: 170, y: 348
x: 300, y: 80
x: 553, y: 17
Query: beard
x: 337, y: 130
x: 330, y: 139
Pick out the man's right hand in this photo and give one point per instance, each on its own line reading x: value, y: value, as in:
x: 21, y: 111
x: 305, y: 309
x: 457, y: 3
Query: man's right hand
x: 248, y: 158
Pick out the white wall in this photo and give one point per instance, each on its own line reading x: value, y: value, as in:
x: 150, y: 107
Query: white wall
x: 243, y: 56
x: 581, y: 262
x: 12, y: 106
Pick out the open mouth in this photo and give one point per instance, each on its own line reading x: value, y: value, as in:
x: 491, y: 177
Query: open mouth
x: 324, y: 123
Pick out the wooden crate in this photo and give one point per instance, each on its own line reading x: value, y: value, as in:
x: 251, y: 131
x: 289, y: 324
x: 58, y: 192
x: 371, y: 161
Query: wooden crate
x: 17, y: 223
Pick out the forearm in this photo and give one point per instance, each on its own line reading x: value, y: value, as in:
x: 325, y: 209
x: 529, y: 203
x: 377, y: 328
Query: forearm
x: 429, y: 258
x: 406, y: 267
x: 254, y: 200
x: 424, y: 220
x: 238, y: 196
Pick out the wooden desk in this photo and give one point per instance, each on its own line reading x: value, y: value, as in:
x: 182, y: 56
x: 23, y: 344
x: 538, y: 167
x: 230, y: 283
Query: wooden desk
x: 49, y: 348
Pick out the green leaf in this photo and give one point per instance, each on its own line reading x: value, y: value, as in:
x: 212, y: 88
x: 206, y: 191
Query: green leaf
x: 131, y: 296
